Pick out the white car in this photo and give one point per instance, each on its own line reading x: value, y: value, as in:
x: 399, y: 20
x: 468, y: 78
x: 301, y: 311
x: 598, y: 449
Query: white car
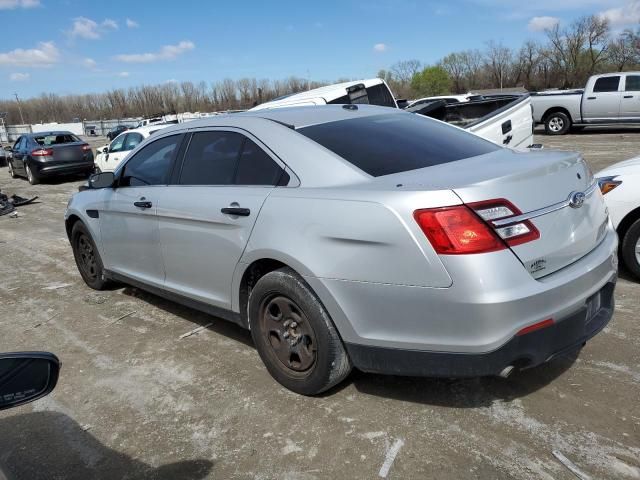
x: 620, y: 184
x: 109, y: 156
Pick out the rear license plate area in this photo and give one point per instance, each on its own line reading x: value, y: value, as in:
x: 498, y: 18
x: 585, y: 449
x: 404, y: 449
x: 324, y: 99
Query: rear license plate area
x: 594, y: 304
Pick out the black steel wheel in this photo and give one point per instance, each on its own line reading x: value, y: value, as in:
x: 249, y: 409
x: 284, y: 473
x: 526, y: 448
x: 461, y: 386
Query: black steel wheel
x: 294, y: 335
x: 87, y: 257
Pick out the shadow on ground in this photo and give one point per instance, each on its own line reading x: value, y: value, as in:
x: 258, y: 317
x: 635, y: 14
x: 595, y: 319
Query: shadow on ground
x: 454, y: 393
x: 48, y: 445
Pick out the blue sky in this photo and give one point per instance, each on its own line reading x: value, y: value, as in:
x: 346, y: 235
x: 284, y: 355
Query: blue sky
x: 74, y: 46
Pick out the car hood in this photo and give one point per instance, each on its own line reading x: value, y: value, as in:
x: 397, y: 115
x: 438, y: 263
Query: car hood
x: 627, y: 166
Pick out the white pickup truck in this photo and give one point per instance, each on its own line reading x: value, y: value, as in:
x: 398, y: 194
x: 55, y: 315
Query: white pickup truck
x: 608, y: 99
x: 503, y: 119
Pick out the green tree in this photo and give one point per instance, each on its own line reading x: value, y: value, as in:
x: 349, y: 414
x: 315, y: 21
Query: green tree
x: 431, y: 81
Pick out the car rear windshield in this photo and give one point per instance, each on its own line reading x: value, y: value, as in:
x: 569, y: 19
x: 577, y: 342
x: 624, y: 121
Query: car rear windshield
x: 393, y: 143
x: 56, y: 139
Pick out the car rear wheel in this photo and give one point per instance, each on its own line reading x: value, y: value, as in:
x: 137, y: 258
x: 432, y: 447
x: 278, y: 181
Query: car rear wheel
x: 87, y: 257
x: 33, y: 180
x: 630, y: 249
x: 557, y: 123
x: 294, y: 334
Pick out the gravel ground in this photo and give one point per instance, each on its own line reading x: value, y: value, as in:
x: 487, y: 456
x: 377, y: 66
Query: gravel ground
x: 135, y: 401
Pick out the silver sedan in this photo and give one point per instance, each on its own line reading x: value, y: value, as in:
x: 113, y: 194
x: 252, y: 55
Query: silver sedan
x: 356, y: 236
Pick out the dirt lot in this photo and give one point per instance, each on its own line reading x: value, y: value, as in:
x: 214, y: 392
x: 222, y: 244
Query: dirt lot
x: 135, y: 401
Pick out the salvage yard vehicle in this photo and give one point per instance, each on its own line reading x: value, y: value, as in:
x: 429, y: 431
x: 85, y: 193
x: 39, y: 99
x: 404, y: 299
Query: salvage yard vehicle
x: 358, y: 236
x: 41, y: 155
x: 108, y: 157
x: 115, y: 131
x: 608, y: 99
x: 620, y: 184
x: 504, y: 119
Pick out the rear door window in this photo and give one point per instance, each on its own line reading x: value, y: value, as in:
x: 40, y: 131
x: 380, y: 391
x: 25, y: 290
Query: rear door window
x: 152, y: 164
x: 607, y: 84
x: 255, y: 167
x: 632, y: 84
x: 131, y: 141
x: 397, y: 142
x: 212, y: 158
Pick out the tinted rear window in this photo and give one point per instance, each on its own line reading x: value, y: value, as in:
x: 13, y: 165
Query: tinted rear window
x: 55, y: 139
x: 392, y: 143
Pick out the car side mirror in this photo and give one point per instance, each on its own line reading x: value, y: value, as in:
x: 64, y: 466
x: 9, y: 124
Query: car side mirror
x: 25, y: 377
x: 105, y: 150
x: 102, y: 180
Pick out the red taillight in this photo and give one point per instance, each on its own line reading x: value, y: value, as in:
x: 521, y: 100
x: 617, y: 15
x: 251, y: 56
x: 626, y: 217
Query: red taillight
x: 42, y: 152
x: 86, y: 147
x: 536, y: 326
x: 515, y: 233
x: 457, y: 230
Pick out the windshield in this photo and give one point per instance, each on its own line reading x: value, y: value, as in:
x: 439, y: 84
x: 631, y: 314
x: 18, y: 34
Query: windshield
x: 396, y: 142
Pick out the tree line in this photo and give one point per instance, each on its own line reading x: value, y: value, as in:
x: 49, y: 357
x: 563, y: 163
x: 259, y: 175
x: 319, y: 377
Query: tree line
x: 565, y: 59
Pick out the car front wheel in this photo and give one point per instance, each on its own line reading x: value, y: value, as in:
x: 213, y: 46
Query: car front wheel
x: 87, y: 257
x: 630, y: 249
x: 11, y: 172
x: 294, y: 334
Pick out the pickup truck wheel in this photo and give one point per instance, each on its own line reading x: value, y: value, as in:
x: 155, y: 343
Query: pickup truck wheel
x: 294, y: 335
x: 630, y: 249
x: 87, y: 257
x: 557, y: 123
x: 33, y: 180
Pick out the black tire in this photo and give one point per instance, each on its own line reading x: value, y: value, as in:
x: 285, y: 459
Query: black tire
x: 630, y: 249
x: 289, y: 322
x: 33, y: 179
x: 87, y: 257
x: 12, y: 173
x: 557, y: 123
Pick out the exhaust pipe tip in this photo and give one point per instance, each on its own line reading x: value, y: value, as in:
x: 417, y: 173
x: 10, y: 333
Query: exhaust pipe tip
x: 506, y: 371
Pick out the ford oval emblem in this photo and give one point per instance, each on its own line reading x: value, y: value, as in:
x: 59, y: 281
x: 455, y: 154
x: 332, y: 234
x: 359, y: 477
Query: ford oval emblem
x: 576, y: 199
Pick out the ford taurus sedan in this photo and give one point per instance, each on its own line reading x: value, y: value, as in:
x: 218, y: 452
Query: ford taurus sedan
x: 358, y: 236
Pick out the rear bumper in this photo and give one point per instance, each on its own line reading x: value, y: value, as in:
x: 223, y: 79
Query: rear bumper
x: 526, y: 351
x: 45, y: 169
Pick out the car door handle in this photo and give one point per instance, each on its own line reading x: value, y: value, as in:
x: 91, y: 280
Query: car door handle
x: 239, y: 211
x: 142, y: 204
x: 628, y: 96
x: 591, y: 98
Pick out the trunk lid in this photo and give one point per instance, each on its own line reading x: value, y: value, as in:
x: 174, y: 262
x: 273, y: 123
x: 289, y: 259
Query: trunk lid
x: 537, y: 183
x: 68, y: 152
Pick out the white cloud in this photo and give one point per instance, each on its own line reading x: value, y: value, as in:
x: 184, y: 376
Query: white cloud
x: 168, y: 52
x: 90, y: 63
x: 45, y: 55
x: 13, y: 4
x: 380, y: 47
x: 123, y: 74
x: 628, y: 14
x: 132, y: 23
x: 110, y: 24
x: 19, y: 77
x: 90, y: 29
x: 539, y: 24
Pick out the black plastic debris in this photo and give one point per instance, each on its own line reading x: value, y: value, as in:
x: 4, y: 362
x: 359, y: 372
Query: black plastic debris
x: 9, y: 204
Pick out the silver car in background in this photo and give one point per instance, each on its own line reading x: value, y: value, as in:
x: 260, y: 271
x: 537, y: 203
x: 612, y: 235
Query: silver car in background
x: 358, y: 236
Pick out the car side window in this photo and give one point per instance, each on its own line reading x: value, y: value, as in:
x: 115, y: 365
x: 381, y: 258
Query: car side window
x: 132, y: 140
x: 255, y: 167
x: 151, y: 165
x: 211, y: 158
x: 632, y: 84
x: 117, y: 145
x: 607, y: 84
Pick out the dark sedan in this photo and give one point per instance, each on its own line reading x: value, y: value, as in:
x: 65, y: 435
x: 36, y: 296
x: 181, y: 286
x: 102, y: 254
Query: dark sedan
x: 46, y: 154
x: 114, y: 132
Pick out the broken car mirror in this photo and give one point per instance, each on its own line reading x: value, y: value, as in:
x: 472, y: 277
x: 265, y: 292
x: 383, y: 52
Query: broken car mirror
x: 25, y: 377
x: 105, y: 150
x: 102, y: 180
